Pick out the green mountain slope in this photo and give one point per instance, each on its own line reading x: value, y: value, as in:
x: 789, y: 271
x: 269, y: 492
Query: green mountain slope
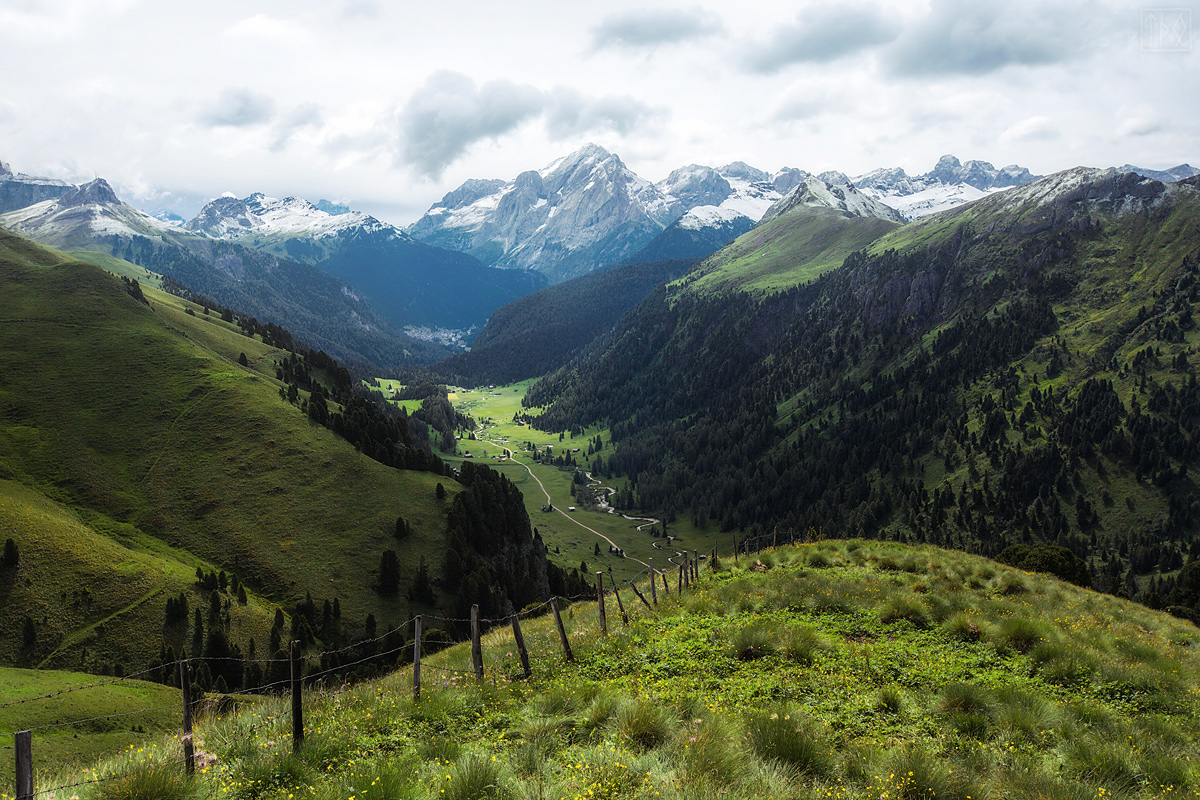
x: 790, y: 249
x: 544, y: 330
x: 843, y: 669
x: 319, y: 308
x: 130, y: 436
x: 1020, y: 369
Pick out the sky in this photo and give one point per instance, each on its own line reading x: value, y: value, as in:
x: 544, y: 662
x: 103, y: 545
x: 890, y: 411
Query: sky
x: 387, y: 105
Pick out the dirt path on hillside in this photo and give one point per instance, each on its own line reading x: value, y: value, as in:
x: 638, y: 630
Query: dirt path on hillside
x: 646, y: 521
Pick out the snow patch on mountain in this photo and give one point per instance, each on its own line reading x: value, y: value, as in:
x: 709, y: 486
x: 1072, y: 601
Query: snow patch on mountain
x: 260, y: 215
x: 950, y: 183
x: 817, y: 193
x: 93, y: 207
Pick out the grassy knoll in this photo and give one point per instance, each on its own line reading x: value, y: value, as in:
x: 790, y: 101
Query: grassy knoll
x: 844, y: 669
x: 494, y: 408
x: 791, y: 249
x: 118, y: 266
x: 82, y: 743
x: 135, y: 448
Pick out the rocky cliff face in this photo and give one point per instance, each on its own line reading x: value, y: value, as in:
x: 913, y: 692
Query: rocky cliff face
x: 21, y: 191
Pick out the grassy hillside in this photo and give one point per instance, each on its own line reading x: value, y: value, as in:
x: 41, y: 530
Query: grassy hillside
x: 130, y: 436
x: 1022, y: 369
x: 790, y: 249
x: 78, y: 744
x: 843, y: 669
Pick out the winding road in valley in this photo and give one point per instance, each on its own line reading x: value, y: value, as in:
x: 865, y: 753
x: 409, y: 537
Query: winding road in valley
x: 646, y: 521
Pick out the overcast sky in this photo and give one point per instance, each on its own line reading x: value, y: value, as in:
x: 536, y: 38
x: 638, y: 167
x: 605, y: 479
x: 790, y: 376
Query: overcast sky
x: 388, y: 105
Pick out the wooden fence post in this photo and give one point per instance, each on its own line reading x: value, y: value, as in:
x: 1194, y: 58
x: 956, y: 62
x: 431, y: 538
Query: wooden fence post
x: 600, y: 601
x: 476, y: 644
x: 653, y: 577
x: 679, y: 588
x: 666, y: 584
x: 516, y: 625
x: 297, y: 697
x: 417, y: 657
x: 695, y: 565
x: 562, y: 632
x: 735, y: 548
x: 620, y: 605
x: 185, y: 685
x: 641, y: 596
x: 24, y: 746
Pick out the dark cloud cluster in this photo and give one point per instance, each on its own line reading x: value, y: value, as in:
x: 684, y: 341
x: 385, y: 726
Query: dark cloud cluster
x: 649, y: 29
x: 823, y: 33
x: 451, y: 112
x: 979, y: 38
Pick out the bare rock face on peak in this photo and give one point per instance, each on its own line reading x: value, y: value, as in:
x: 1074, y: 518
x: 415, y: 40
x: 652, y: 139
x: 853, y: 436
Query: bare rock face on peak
x: 97, y: 192
x: 568, y: 218
x: 815, y: 192
x: 21, y: 191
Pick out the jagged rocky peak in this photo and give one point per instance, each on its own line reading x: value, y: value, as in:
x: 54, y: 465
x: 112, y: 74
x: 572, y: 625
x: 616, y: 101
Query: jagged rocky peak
x: 332, y: 208
x: 787, y: 179
x: 740, y: 169
x: 696, y: 185
x: 1177, y: 173
x: 844, y: 198
x: 471, y: 190
x: 97, y: 192
x: 835, y: 178
x: 221, y: 215
x: 5, y: 169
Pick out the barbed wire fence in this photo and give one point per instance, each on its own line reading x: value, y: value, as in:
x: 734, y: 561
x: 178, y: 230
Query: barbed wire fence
x: 386, y: 651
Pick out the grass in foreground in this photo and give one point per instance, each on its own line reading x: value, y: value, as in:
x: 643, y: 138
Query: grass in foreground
x: 879, y: 705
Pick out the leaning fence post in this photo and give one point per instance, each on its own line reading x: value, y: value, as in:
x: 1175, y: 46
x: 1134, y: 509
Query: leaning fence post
x: 600, y: 601
x: 476, y: 645
x: 562, y: 632
x: 24, y: 745
x: 417, y: 657
x: 666, y: 584
x: 297, y: 697
x: 516, y: 625
x: 653, y: 591
x: 185, y: 685
x: 620, y: 605
x: 641, y: 596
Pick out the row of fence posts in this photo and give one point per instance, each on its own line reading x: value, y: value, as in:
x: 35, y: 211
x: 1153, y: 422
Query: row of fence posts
x: 689, y: 571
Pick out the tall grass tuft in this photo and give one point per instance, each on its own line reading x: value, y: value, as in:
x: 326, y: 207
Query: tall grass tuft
x: 476, y: 777
x: 711, y: 751
x: 889, y: 700
x: 962, y: 626
x: 790, y: 738
x: 914, y: 774
x: 905, y: 608
x: 1018, y: 633
x: 148, y: 781
x: 754, y: 641
x: 642, y: 725
x: 801, y: 643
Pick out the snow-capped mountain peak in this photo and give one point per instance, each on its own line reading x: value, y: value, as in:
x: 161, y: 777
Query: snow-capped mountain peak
x: 264, y: 216
x: 816, y: 192
x: 950, y: 183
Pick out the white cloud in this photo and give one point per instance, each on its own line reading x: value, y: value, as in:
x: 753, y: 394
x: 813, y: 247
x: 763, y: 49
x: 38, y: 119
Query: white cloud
x: 1030, y: 129
x: 238, y: 108
x: 643, y: 28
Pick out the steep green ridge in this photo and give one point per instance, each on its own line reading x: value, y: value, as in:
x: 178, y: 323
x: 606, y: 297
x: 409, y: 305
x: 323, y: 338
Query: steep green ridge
x: 80, y: 744
x: 843, y: 669
x: 1021, y: 369
x: 790, y: 249
x: 542, y: 331
x: 134, y: 448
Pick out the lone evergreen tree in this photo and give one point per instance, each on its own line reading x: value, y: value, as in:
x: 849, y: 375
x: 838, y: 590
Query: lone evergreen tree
x: 389, y: 573
x: 11, y: 557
